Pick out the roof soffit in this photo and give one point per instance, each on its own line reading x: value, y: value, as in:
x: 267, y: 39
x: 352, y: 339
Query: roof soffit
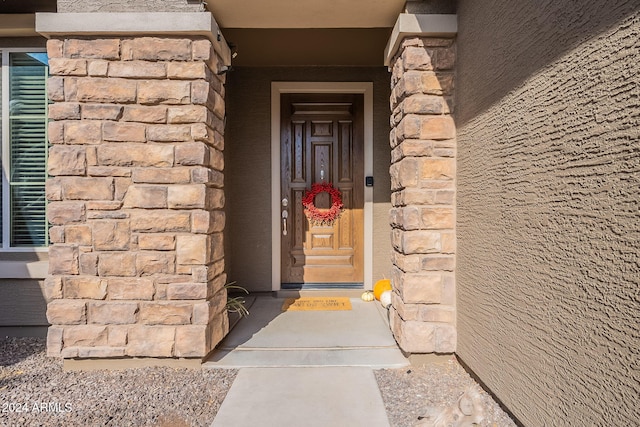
x: 306, y: 13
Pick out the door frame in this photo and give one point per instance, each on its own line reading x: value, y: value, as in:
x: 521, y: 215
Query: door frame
x: 277, y: 88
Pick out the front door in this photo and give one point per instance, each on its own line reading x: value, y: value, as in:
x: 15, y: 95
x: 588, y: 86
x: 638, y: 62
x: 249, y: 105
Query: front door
x: 322, y: 140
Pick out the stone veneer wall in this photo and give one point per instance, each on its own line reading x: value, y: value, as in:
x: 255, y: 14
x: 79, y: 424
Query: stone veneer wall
x: 423, y: 199
x: 136, y: 198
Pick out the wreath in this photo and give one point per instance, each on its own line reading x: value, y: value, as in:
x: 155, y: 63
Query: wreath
x: 322, y: 216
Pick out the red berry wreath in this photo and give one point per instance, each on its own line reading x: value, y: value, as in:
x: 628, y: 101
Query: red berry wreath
x: 322, y: 216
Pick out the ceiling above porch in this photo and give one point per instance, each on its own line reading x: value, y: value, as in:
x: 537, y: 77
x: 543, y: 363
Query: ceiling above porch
x: 306, y: 13
x: 308, y: 47
x: 307, y: 32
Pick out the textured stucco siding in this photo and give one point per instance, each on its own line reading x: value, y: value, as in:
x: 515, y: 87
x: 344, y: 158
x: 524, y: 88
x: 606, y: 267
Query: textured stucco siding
x: 23, y: 42
x: 548, y: 115
x: 22, y: 298
x: 22, y: 303
x: 248, y: 166
x: 430, y: 6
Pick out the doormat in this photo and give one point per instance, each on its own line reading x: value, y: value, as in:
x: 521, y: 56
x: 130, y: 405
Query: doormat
x: 316, y: 304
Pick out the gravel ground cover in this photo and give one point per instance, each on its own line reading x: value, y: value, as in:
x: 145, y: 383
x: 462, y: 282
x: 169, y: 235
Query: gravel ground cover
x: 34, y: 391
x: 411, y: 393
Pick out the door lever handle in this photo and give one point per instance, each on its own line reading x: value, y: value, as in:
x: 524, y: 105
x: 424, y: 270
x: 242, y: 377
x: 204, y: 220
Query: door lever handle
x: 285, y: 215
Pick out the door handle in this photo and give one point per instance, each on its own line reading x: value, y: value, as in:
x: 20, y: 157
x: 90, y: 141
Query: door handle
x: 285, y: 215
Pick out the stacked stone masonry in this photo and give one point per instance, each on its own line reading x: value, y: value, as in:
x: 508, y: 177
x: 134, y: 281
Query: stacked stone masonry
x: 136, y: 198
x: 423, y: 195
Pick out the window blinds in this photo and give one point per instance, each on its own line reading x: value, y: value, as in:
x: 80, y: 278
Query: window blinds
x: 28, y: 149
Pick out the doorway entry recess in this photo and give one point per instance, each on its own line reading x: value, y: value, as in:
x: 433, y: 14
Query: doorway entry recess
x: 334, y: 88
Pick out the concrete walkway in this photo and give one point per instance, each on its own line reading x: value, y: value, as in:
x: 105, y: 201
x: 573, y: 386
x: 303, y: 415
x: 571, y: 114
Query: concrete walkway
x: 322, y: 397
x: 308, y: 368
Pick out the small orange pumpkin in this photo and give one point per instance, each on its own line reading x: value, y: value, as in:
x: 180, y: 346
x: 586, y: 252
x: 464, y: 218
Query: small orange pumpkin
x: 380, y: 287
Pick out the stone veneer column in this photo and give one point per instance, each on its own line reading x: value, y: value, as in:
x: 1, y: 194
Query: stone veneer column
x: 135, y: 197
x: 423, y: 199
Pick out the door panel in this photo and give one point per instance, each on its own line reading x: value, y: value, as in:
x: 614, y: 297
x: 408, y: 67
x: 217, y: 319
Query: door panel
x: 322, y: 139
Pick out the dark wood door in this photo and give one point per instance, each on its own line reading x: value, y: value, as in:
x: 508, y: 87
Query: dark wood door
x: 322, y: 139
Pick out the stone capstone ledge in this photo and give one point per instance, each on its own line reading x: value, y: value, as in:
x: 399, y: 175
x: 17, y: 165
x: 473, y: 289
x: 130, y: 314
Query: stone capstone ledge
x: 180, y: 24
x: 130, y: 6
x: 422, y: 25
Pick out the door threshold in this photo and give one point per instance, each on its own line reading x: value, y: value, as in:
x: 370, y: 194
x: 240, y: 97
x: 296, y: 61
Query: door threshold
x: 313, y: 286
x: 336, y: 292
x: 294, y: 290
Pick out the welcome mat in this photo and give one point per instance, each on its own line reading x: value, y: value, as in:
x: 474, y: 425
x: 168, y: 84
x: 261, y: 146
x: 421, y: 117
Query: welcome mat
x: 316, y: 304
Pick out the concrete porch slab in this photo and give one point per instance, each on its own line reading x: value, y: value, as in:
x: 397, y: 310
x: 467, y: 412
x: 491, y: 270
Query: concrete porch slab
x: 303, y: 396
x: 378, y: 358
x: 269, y: 337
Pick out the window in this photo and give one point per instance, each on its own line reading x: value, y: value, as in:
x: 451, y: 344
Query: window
x: 23, y: 157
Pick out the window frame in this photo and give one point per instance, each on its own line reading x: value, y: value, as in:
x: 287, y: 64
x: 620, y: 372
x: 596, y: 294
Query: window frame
x: 5, y: 147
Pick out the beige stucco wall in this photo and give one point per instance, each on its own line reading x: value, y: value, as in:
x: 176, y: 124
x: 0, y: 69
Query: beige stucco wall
x: 22, y: 303
x: 430, y: 6
x: 23, y: 42
x: 248, y: 166
x: 548, y: 209
x: 23, y: 306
